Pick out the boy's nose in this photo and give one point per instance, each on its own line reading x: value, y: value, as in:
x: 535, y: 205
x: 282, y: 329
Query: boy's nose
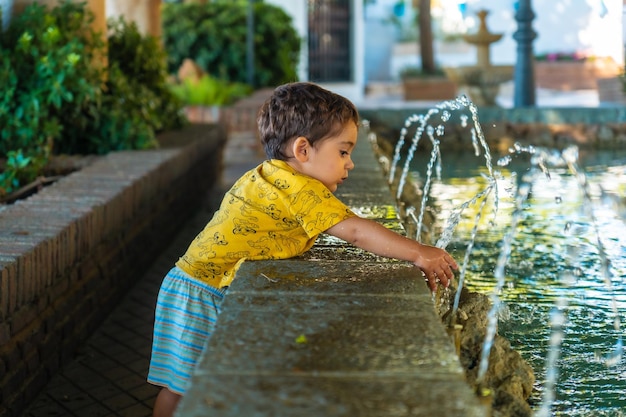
x: 350, y: 164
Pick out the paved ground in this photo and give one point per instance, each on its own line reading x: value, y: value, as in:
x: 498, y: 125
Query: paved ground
x: 108, y: 378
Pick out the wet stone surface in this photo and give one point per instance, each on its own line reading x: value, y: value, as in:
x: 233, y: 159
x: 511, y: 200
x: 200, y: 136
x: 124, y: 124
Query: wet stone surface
x: 363, y: 395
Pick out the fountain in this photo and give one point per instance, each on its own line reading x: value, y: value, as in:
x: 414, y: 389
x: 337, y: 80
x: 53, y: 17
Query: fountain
x: 583, y: 230
x: 482, y: 81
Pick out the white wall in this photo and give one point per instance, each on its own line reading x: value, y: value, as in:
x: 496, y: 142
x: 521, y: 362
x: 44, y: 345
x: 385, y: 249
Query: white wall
x: 561, y: 26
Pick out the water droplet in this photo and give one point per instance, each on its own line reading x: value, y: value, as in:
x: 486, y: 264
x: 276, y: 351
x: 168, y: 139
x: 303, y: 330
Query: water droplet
x: 569, y: 279
x: 504, y: 161
x: 567, y: 227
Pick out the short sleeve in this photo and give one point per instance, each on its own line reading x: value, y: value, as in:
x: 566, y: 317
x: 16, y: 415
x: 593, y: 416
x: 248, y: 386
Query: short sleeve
x: 316, y: 209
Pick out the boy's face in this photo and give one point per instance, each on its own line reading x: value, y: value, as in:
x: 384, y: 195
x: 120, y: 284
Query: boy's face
x: 330, y: 161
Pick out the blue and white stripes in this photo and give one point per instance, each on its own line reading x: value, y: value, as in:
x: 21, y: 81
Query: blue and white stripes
x: 185, y: 317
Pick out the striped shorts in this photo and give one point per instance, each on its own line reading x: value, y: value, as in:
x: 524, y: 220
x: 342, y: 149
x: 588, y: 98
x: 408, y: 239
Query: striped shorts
x: 185, y: 316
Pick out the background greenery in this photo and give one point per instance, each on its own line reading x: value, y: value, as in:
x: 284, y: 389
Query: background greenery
x: 63, y: 92
x: 209, y: 91
x: 214, y: 34
x: 56, y: 96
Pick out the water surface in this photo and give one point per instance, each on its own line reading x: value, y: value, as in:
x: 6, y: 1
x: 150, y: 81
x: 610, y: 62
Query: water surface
x: 555, y: 257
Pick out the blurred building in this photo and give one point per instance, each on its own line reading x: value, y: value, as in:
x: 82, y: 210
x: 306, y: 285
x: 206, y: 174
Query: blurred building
x: 351, y: 43
x: 348, y: 44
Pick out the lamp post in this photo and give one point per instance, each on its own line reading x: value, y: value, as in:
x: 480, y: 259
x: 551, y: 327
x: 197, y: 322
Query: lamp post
x: 524, y: 76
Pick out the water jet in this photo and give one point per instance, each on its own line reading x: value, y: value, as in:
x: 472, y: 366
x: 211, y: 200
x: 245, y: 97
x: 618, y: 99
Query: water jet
x: 572, y: 242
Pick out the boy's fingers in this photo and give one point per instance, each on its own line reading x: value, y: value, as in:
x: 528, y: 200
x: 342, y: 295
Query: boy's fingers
x: 444, y: 279
x: 451, y: 263
x: 444, y: 274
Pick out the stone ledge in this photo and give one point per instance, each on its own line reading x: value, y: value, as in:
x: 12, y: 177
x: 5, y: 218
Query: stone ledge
x: 69, y: 252
x: 335, y: 332
x: 349, y: 338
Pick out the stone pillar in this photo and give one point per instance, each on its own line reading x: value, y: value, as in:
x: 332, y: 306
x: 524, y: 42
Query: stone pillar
x: 524, y: 76
x: 154, y: 18
x: 145, y: 13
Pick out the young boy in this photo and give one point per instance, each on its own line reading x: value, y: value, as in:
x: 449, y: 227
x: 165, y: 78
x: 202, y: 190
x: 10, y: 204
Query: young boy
x: 275, y: 211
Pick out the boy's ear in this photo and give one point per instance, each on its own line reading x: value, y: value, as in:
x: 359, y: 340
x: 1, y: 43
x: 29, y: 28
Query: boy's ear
x: 301, y: 149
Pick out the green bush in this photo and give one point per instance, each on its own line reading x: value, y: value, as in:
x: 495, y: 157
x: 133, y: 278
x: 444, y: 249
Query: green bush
x: 136, y: 101
x: 46, y: 76
x: 213, y: 35
x: 56, y: 96
x: 143, y: 61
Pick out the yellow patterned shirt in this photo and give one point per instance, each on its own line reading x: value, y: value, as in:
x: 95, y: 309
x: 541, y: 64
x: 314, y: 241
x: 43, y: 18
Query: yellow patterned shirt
x: 272, y: 212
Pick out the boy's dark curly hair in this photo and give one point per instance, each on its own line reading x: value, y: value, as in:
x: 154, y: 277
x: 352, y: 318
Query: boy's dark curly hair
x: 302, y: 109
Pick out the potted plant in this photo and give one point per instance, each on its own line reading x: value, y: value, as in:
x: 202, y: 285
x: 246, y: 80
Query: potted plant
x: 427, y: 81
x: 420, y: 85
x: 203, y: 96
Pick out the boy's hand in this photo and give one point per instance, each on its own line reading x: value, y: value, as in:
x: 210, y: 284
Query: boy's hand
x: 366, y: 234
x: 436, y: 264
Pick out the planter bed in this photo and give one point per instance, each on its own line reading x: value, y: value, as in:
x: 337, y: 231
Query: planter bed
x: 69, y: 252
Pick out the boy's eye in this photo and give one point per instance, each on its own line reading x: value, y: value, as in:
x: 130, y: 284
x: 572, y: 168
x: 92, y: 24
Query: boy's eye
x: 344, y: 153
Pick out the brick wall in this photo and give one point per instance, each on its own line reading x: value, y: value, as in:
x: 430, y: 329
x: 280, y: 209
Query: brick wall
x: 69, y: 252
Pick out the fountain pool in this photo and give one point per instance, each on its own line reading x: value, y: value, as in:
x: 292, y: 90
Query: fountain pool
x: 554, y: 265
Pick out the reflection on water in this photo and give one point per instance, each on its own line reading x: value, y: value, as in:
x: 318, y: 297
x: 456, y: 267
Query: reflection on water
x: 554, y: 238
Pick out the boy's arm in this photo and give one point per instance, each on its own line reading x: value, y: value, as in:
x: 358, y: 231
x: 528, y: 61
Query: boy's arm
x: 375, y: 238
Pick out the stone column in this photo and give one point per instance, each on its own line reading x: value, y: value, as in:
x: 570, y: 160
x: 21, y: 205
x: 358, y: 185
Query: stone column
x: 145, y: 13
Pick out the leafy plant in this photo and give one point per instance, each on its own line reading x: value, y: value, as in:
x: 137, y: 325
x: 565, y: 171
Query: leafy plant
x: 143, y: 60
x: 196, y: 31
x: 46, y: 75
x: 19, y: 169
x: 135, y: 101
x: 58, y: 96
x: 209, y: 91
x: 563, y: 57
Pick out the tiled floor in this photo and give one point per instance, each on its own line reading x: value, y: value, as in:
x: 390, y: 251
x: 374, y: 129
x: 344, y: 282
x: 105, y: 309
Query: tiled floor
x: 108, y: 378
